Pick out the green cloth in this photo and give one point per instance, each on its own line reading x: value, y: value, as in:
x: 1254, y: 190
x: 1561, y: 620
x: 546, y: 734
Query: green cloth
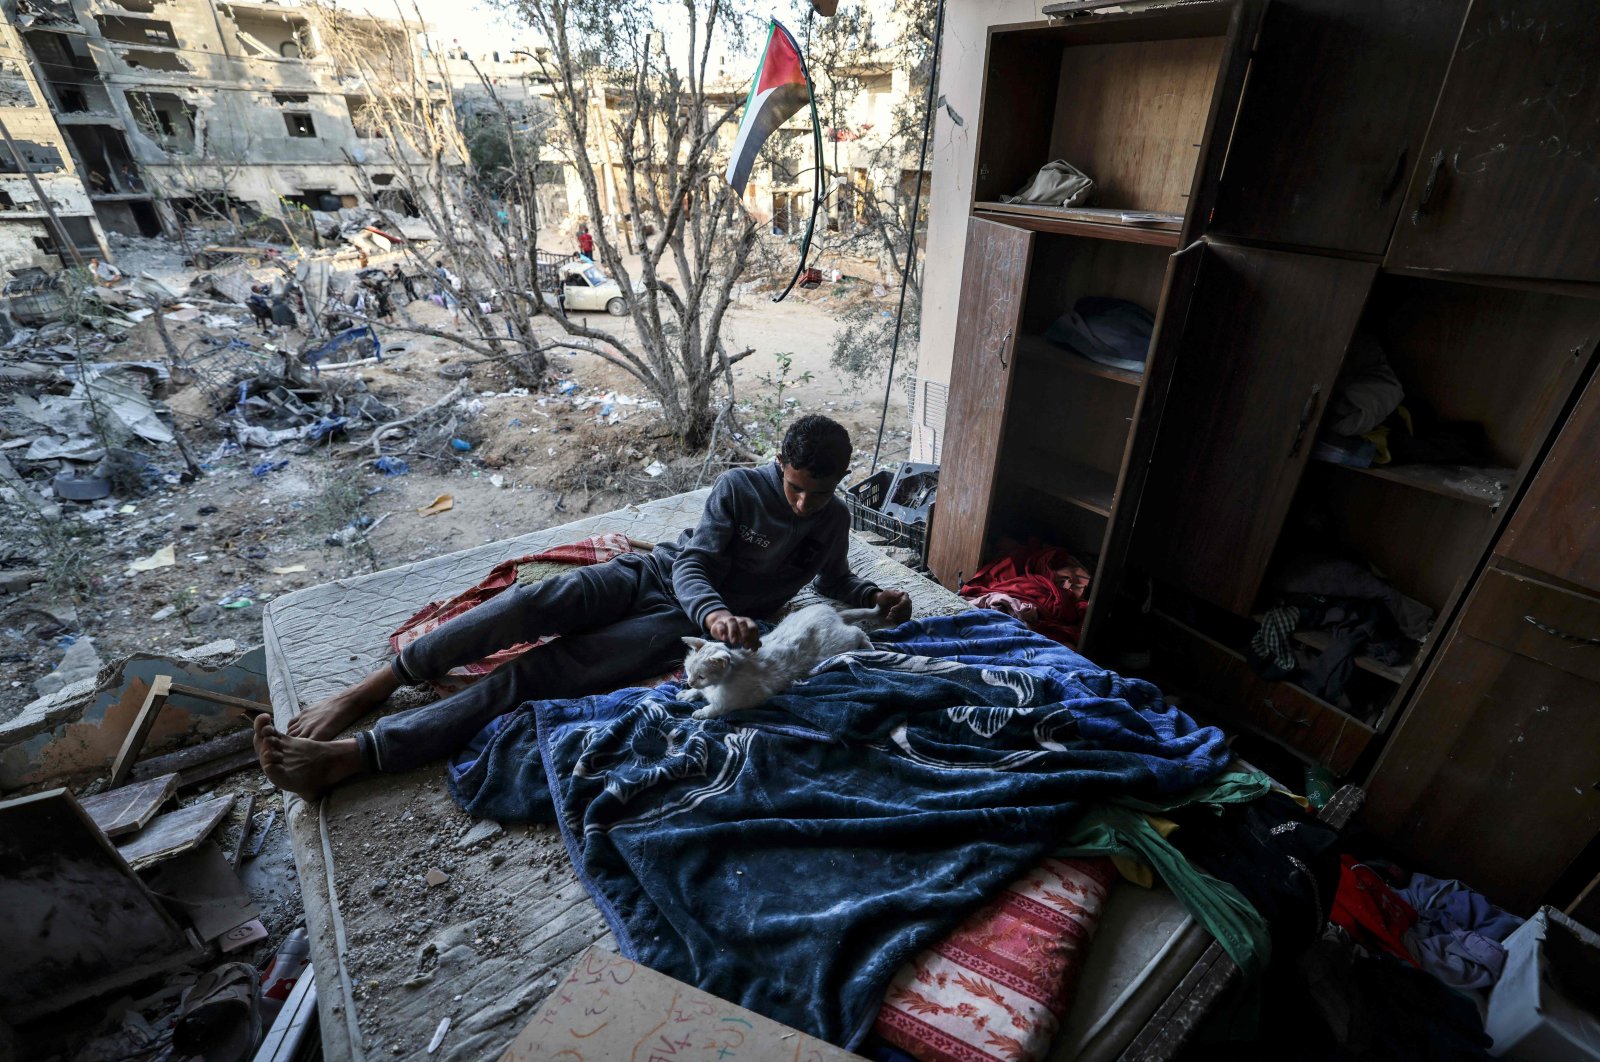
x: 1123, y: 828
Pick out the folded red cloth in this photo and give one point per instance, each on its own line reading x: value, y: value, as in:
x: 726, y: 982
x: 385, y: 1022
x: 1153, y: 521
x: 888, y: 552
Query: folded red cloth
x: 502, y: 576
x: 1043, y: 586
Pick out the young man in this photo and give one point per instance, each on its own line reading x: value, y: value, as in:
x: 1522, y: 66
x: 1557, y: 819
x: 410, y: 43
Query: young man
x: 766, y: 532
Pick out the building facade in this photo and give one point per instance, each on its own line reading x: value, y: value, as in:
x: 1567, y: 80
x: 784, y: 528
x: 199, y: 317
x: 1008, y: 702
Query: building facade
x: 38, y: 175
x: 178, y: 110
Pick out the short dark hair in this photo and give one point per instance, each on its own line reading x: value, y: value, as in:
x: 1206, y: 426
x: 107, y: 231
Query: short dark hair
x: 818, y: 445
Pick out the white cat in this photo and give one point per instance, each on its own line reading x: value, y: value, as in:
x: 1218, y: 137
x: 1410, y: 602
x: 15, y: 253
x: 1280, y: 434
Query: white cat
x: 727, y: 679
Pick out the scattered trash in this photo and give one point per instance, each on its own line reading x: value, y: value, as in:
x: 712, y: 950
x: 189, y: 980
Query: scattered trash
x: 443, y: 503
x: 497, y: 481
x: 266, y: 467
x: 460, y: 445
x: 654, y: 469
x: 391, y: 466
x: 360, y: 526
x: 165, y: 557
x: 80, y: 488
x: 165, y: 612
x: 81, y: 661
x: 289, y: 569
x: 241, y: 602
x: 567, y: 387
x: 438, y: 1035
x: 325, y: 428
x: 435, y: 877
x: 358, y: 342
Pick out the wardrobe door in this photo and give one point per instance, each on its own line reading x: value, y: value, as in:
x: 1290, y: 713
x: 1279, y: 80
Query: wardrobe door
x: 1556, y: 528
x: 1494, y: 774
x: 992, y: 289
x: 1260, y: 349
x: 1352, y: 84
x: 1508, y: 183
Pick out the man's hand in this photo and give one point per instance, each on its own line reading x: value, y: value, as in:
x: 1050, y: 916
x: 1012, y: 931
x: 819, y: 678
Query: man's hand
x: 733, y: 630
x: 894, y: 604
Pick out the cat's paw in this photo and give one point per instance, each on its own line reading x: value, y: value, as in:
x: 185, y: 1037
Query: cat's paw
x: 690, y: 695
x: 708, y: 712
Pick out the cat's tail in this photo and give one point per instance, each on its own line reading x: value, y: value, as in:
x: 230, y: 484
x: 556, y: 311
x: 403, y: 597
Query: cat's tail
x: 870, y: 619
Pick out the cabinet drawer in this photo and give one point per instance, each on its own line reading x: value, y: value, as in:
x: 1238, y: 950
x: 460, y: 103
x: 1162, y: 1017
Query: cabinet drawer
x: 1234, y: 694
x: 1536, y: 620
x: 1309, y: 724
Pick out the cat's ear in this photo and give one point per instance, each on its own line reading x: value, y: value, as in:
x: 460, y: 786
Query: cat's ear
x: 695, y: 643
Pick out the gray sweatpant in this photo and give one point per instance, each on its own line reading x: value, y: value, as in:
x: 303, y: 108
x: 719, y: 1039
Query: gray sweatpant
x: 618, y: 622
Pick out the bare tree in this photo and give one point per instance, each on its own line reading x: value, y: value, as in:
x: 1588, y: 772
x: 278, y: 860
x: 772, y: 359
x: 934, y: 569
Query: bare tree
x: 614, y: 83
x: 484, y: 257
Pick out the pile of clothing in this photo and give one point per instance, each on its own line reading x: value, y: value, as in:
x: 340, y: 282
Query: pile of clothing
x: 1371, y: 421
x: 1360, y: 610
x: 1043, y: 586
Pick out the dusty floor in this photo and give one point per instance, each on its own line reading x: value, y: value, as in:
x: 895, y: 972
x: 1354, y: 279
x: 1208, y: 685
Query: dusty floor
x: 537, y: 459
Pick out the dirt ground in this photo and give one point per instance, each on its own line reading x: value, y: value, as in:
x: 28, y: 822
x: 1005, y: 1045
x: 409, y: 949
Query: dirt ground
x: 536, y: 459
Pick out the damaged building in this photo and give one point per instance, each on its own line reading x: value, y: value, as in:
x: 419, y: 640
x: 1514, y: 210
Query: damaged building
x: 38, y: 175
x: 173, y: 113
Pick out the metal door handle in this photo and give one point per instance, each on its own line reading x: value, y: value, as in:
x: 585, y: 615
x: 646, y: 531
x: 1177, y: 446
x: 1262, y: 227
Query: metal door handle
x: 1000, y: 351
x: 1392, y: 181
x: 1307, y: 412
x: 1284, y: 715
x: 1435, y: 166
x: 1558, y: 633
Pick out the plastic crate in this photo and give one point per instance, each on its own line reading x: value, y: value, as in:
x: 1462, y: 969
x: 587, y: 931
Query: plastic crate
x: 866, y: 501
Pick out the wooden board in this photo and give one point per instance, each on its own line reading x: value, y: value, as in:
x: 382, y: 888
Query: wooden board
x: 1491, y: 775
x: 174, y: 833
x: 608, y: 1007
x: 75, y: 920
x: 250, y: 708
x: 153, y: 703
x: 207, y: 890
x: 1264, y: 338
x: 992, y: 288
x: 1534, y: 619
x: 1556, y: 528
x: 1132, y: 116
x: 124, y: 810
x: 1364, y: 74
x: 1507, y: 182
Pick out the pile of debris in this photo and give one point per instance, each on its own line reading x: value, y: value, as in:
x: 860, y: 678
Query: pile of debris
x: 161, y: 874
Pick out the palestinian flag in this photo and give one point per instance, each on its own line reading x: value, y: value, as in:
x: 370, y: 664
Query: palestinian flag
x: 781, y: 88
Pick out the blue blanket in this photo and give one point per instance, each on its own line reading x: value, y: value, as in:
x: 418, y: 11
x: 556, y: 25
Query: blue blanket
x: 791, y: 858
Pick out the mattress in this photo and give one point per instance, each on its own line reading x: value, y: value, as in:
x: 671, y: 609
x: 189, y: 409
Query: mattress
x: 395, y: 956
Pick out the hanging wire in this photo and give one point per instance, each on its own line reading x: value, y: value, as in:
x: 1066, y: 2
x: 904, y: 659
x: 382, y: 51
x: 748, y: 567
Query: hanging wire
x: 911, y: 232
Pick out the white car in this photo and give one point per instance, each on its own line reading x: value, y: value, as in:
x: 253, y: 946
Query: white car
x: 586, y: 288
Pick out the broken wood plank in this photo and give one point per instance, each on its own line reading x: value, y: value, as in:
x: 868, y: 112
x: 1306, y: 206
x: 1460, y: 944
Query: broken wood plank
x: 75, y: 919
x: 153, y: 702
x: 205, y: 888
x: 190, y: 763
x: 214, y: 769
x: 244, y: 830
x: 174, y: 833
x: 124, y: 810
x: 252, y: 708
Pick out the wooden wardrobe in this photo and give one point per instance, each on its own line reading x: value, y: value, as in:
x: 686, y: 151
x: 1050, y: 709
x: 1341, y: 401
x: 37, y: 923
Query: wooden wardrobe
x: 1422, y: 173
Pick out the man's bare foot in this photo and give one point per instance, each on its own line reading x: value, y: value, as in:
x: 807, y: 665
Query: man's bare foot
x: 303, y: 767
x: 326, y: 718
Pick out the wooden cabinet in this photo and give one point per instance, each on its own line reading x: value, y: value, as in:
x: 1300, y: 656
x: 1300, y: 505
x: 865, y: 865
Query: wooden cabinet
x: 1494, y: 774
x: 1508, y: 182
x: 1319, y: 70
x: 1255, y: 362
x: 1415, y: 177
x: 1557, y: 527
x: 997, y: 258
